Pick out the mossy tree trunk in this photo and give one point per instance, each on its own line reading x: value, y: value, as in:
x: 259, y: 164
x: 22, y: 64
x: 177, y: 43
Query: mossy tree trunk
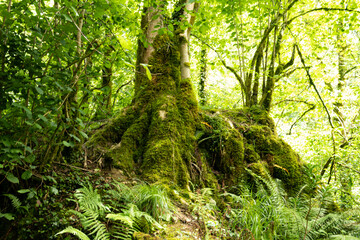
x: 154, y: 136
x: 203, y: 75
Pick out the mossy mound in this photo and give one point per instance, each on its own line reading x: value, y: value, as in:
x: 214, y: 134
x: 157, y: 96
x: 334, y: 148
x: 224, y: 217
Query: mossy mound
x: 159, y: 145
x: 233, y: 140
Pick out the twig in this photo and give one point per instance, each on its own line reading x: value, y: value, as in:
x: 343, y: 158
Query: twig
x: 299, y: 118
x: 348, y: 167
x: 79, y: 29
x: 238, y: 77
x: 72, y: 166
x: 117, y: 91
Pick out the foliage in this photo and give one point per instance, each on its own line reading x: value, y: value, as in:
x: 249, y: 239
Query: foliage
x: 120, y: 221
x: 268, y: 214
x: 68, y: 66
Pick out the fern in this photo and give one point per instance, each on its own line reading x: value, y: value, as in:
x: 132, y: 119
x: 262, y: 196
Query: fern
x: 333, y: 224
x: 88, y: 198
x: 112, y: 225
x: 267, y: 214
x: 91, y: 222
x: 75, y: 232
x: 15, y: 201
x: 120, y: 195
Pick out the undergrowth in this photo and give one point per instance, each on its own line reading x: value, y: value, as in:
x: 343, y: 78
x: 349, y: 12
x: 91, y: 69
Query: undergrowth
x: 269, y: 214
x: 127, y: 210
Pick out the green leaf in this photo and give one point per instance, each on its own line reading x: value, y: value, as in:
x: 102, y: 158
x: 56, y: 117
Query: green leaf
x: 78, y: 120
x: 107, y: 64
x: 30, y: 159
x: 26, y: 175
x: 83, y: 134
x: 75, y: 137
x: 67, y: 144
x: 6, y: 142
x: 8, y: 216
x: 54, y: 190
x: 129, y: 64
x: 39, y: 90
x: 75, y: 232
x: 148, y: 73
x: 42, y: 117
x: 67, y: 18
x: 12, y: 178
x: 76, y: 13
x: 23, y: 190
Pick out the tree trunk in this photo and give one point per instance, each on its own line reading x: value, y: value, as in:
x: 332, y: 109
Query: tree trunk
x: 203, y: 75
x: 154, y: 136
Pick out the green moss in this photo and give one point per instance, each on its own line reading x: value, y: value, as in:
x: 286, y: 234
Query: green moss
x: 235, y: 139
x: 287, y: 165
x: 144, y: 236
x: 260, y: 168
x: 250, y: 155
x: 283, y: 162
x: 128, y: 152
x: 232, y: 159
x: 253, y: 115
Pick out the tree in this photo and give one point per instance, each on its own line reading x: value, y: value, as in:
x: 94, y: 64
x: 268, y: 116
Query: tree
x: 156, y: 132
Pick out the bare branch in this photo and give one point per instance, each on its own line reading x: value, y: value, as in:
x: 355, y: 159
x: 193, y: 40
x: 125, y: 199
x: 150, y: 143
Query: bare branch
x: 323, y: 9
x: 313, y: 84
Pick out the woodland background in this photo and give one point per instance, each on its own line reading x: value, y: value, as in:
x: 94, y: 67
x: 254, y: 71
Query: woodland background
x: 67, y: 67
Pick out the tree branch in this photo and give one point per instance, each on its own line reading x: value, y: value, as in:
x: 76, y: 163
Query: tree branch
x: 323, y: 9
x: 313, y: 84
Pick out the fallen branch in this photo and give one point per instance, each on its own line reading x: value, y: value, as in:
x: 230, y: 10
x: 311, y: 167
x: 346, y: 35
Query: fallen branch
x: 72, y: 166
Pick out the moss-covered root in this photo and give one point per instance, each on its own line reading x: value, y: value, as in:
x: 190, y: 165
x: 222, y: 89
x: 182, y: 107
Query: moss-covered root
x: 281, y: 159
x: 232, y: 159
x: 128, y: 151
x: 111, y: 133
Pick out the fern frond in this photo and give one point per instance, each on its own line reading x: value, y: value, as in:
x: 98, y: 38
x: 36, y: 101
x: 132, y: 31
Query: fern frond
x: 75, y: 232
x: 8, y: 216
x: 15, y: 201
x: 90, y: 221
x: 333, y: 224
x: 343, y: 237
x: 121, y: 217
x: 89, y: 198
x: 123, y: 225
